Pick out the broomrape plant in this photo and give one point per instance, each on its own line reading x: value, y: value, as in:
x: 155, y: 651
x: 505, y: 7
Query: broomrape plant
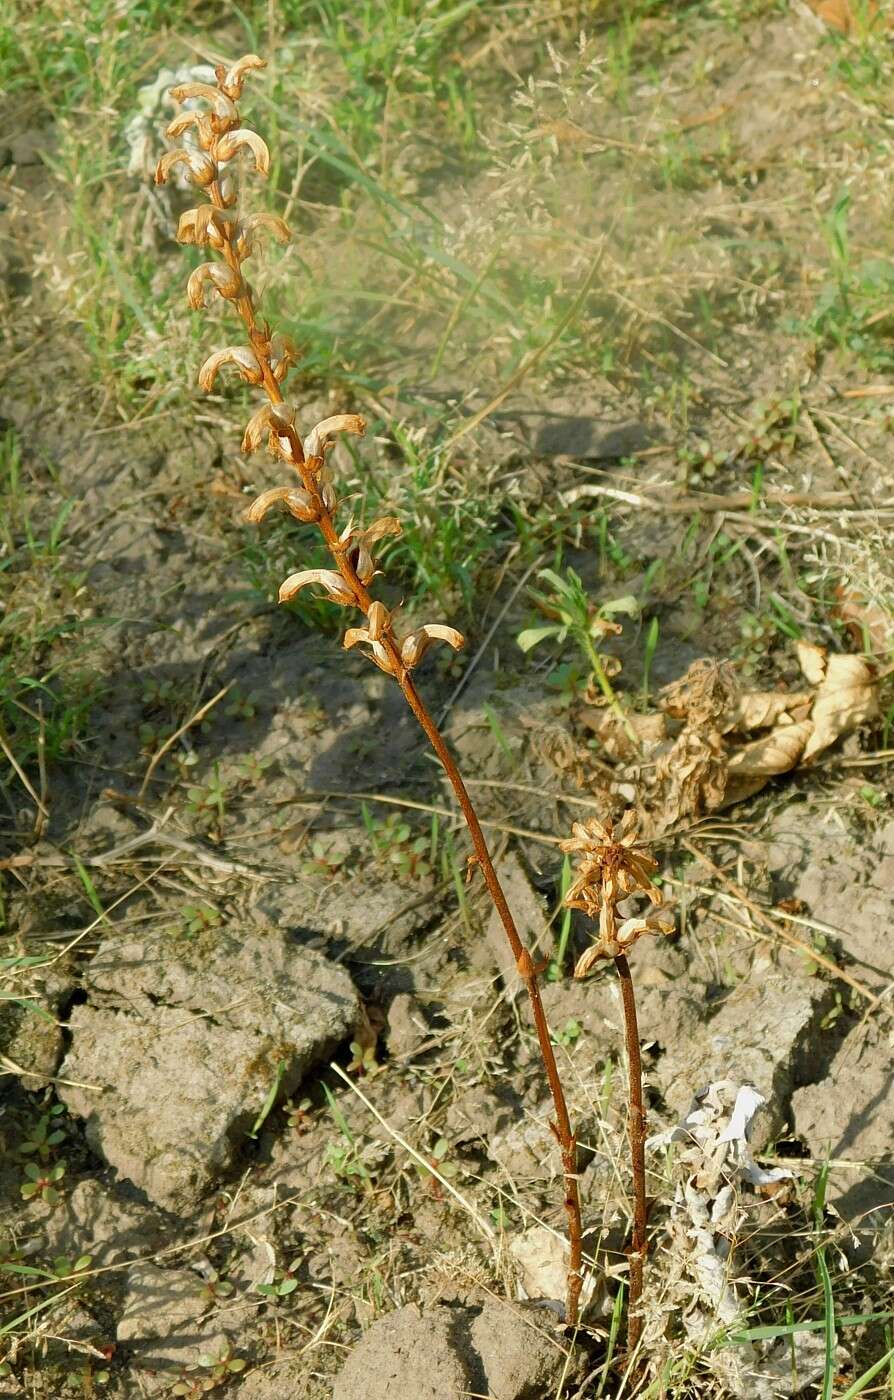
x: 213, y: 136
x: 613, y: 864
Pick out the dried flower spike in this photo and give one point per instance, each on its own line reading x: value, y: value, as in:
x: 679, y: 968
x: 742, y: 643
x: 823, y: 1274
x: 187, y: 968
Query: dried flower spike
x: 613, y: 864
x: 264, y: 362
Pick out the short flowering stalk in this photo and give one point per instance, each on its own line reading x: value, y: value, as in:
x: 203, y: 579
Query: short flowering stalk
x: 216, y: 137
x: 614, y: 864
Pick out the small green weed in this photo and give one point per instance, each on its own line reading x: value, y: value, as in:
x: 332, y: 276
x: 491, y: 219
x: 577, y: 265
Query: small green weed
x: 854, y: 308
x: 43, y: 1183
x: 45, y: 1135
x: 438, y: 1165
x: 586, y: 623
x: 363, y: 1060
x: 283, y: 1283
x: 393, y: 841
x: 197, y: 919
x: 218, y: 1367
x: 47, y: 684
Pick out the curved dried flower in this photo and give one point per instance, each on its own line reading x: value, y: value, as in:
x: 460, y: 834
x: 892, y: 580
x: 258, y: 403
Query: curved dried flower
x: 335, y: 586
x: 296, y: 500
x: 251, y: 224
x: 221, y: 277
x: 232, y: 141
x: 240, y: 357
x: 378, y: 621
x: 283, y: 353
x: 232, y: 79
x: 257, y: 425
x: 359, y: 544
x: 201, y: 169
x: 228, y: 194
x: 623, y: 939
x: 414, y: 646
x: 221, y: 104
x: 203, y: 123
x: 319, y: 439
x: 203, y: 226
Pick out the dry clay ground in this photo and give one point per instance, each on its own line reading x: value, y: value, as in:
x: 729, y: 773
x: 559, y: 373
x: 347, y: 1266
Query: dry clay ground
x: 229, y: 863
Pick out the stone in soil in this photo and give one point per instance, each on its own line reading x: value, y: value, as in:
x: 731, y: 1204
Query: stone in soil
x: 850, y: 1115
x: 767, y: 1033
x: 844, y: 879
x: 174, y: 1052
x: 407, y: 1026
x: 32, y: 1041
x: 451, y: 1351
x: 167, y: 1325
x: 96, y: 1219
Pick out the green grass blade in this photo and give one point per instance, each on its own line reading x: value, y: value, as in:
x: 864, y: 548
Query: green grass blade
x: 860, y: 1384
x: 822, y: 1269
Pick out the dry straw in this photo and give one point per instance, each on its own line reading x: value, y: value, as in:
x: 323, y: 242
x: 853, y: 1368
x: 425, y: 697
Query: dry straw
x: 213, y: 136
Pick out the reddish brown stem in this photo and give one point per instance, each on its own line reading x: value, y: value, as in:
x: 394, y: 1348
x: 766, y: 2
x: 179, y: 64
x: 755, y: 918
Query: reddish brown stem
x: 636, y: 1128
x: 562, y: 1125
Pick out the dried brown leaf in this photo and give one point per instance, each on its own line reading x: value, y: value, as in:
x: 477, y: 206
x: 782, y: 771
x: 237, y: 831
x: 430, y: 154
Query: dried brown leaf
x: 704, y: 695
x: 777, y: 752
x: 847, y: 698
x: 812, y: 660
x: 691, y: 777
x: 759, y: 709
x: 870, y: 625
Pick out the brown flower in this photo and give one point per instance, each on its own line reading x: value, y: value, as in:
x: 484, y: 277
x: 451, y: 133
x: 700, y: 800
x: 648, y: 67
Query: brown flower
x: 231, y: 79
x: 624, y: 937
x: 378, y: 625
x: 613, y: 864
x: 360, y: 544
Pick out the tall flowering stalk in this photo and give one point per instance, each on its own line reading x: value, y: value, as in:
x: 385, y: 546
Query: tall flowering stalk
x: 612, y: 865
x: 214, y: 137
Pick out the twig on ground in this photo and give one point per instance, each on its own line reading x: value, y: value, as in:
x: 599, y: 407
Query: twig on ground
x: 178, y: 734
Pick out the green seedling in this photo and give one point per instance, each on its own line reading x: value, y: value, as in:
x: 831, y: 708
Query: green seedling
x: 650, y: 646
x: 586, y: 623
x: 208, y: 800
x: 393, y: 841
x: 873, y: 796
x: 570, y: 1032
x: 63, y: 1268
x: 363, y: 1060
x: 42, y: 1183
x: 283, y: 1283
x: 556, y: 969
x: 216, y: 1289
x: 324, y: 858
x: 219, y: 1369
x: 298, y: 1115
x: 242, y: 706
x: 343, y: 1157
x: 250, y: 770
x: 569, y: 679
x: 438, y: 1165
x: 500, y: 736
x: 270, y: 1100
x: 198, y: 918
x: 824, y: 1279
x: 44, y: 1136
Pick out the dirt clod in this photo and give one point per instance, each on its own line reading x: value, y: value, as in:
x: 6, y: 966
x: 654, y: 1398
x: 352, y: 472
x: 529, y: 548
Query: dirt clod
x: 447, y: 1352
x: 173, y: 1059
